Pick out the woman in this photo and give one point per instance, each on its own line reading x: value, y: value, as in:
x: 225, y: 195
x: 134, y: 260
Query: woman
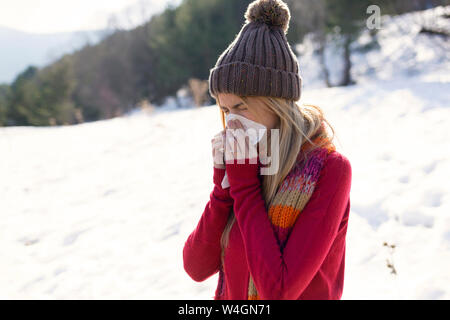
x: 277, y: 236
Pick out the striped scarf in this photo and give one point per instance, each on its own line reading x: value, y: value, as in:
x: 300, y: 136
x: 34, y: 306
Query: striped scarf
x: 294, y: 193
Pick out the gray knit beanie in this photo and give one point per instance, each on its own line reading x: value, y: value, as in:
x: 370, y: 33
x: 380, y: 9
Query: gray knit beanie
x: 259, y: 61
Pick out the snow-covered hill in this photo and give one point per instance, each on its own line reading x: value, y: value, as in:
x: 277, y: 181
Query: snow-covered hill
x: 101, y: 210
x: 399, y: 50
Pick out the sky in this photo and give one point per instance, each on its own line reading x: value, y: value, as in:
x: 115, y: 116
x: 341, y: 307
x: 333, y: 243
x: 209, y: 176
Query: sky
x: 51, y: 16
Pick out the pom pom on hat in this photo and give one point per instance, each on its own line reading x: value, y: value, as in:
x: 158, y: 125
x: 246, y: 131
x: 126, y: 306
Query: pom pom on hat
x: 271, y: 12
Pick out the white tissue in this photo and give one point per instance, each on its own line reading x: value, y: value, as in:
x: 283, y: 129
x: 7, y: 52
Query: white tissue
x: 254, y: 135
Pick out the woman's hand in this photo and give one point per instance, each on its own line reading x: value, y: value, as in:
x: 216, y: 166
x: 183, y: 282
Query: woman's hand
x: 237, y: 145
x: 243, y: 173
x: 218, y: 149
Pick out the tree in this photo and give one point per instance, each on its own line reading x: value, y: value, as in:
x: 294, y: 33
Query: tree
x: 43, y: 97
x: 4, y: 103
x: 187, y: 40
x: 348, y: 16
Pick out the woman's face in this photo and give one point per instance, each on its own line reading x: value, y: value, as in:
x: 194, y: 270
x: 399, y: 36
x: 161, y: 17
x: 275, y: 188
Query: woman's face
x: 231, y: 104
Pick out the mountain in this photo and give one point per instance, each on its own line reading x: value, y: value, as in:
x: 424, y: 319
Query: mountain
x: 20, y: 49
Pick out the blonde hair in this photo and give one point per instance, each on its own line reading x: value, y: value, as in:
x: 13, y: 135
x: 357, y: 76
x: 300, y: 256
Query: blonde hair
x: 297, y: 124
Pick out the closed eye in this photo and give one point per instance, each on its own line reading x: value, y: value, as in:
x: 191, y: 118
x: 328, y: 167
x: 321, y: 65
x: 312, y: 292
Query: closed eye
x: 240, y: 106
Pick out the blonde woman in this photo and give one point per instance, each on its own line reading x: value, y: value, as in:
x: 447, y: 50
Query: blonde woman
x: 281, y: 235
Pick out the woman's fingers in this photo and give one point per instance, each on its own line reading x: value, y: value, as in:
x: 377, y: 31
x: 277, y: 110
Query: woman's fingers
x: 229, y: 152
x: 217, y: 143
x: 238, y: 146
x: 242, y: 140
x: 247, y: 147
x: 237, y: 142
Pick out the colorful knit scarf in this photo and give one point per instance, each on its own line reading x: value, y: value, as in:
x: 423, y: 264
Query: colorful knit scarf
x: 294, y: 193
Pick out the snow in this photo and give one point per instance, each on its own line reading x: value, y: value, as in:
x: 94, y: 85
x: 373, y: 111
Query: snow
x: 403, y: 52
x: 101, y: 210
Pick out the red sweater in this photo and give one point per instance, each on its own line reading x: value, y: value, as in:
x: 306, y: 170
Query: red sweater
x: 312, y: 263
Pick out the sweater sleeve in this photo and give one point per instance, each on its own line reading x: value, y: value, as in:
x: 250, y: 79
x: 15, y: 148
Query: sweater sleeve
x: 285, y: 275
x: 202, y: 251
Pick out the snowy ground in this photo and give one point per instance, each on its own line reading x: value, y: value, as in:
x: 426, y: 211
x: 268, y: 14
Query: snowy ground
x: 102, y: 210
